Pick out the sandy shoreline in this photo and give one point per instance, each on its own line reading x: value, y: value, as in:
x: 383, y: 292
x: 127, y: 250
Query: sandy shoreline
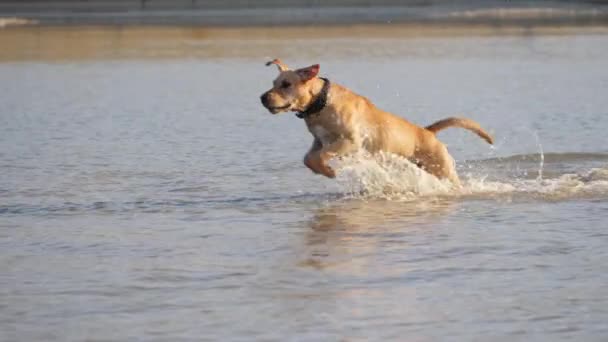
x: 60, y: 43
x: 59, y: 34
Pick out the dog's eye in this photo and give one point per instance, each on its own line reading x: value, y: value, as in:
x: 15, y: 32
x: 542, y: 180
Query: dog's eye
x: 285, y: 85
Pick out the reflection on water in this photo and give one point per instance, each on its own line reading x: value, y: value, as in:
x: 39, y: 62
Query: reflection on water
x: 372, y: 214
x: 350, y: 225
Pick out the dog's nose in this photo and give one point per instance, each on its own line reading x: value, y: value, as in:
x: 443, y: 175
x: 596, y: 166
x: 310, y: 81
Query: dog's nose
x: 264, y: 99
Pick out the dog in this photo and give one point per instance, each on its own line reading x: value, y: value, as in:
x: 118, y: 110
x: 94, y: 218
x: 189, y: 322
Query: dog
x: 343, y: 123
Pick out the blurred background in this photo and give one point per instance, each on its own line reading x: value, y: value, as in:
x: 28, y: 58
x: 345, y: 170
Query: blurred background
x: 306, y: 12
x: 140, y: 27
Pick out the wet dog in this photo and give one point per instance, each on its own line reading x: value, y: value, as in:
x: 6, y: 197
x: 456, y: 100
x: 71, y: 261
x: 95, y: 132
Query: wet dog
x: 343, y: 122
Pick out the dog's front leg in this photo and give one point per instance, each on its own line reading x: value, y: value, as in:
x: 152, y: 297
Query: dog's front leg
x: 312, y: 159
x: 338, y: 148
x: 315, y: 162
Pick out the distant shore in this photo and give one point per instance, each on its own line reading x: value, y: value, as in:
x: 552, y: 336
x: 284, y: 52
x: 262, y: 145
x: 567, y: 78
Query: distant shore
x: 69, y: 43
x: 213, y: 14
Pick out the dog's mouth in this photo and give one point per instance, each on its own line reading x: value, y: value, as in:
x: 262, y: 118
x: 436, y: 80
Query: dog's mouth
x: 275, y: 110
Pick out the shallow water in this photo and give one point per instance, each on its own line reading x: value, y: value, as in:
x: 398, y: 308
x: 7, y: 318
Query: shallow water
x: 150, y: 197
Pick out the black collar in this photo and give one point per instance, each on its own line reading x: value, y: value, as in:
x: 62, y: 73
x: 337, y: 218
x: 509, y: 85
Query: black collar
x: 318, y: 104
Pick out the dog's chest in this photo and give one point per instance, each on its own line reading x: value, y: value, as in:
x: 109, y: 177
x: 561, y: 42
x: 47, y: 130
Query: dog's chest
x: 322, y: 134
x: 327, y: 129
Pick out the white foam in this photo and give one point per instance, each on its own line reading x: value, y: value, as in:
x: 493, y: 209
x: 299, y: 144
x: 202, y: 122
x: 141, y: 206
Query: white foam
x: 14, y: 21
x: 392, y: 177
x: 386, y: 176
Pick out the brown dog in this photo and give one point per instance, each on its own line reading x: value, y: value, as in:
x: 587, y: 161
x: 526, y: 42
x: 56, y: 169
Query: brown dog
x: 343, y: 122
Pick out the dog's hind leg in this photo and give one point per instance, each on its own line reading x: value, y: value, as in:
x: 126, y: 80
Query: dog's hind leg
x: 441, y: 165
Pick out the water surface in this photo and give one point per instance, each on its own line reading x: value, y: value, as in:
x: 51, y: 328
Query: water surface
x: 146, y: 195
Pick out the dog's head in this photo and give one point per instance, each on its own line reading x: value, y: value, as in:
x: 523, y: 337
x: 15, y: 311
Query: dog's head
x: 291, y: 90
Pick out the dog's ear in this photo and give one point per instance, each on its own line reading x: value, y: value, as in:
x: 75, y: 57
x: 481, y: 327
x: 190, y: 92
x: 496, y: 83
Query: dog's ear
x: 308, y: 72
x: 282, y: 67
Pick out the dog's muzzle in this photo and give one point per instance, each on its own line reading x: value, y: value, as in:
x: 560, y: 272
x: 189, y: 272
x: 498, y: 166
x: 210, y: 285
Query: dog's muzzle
x: 264, y: 99
x: 265, y: 102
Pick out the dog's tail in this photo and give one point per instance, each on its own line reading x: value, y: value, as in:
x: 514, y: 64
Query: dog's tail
x: 462, y: 123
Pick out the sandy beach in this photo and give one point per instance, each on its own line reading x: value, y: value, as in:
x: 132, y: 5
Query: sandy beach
x: 89, y: 42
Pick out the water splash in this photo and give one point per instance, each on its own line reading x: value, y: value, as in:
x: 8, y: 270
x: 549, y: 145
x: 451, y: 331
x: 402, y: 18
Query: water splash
x: 386, y: 176
x: 391, y: 177
x: 542, y: 156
